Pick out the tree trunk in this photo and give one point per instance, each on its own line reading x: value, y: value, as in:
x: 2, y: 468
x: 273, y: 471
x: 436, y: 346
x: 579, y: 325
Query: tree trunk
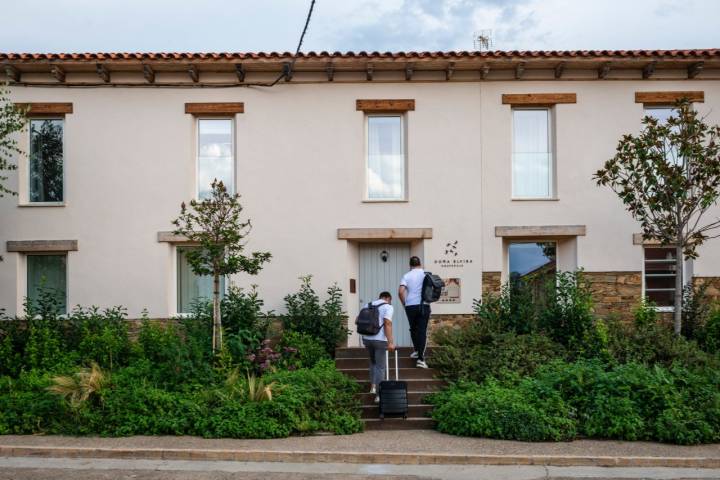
x: 677, y: 313
x: 217, y: 323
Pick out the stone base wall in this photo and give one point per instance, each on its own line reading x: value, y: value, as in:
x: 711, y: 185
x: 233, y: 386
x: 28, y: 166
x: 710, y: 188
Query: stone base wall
x: 712, y: 285
x: 457, y: 320
x: 491, y: 283
x: 616, y: 293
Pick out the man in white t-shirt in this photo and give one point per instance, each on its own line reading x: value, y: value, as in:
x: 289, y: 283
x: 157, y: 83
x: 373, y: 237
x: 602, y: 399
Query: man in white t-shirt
x: 380, y: 343
x: 418, y: 313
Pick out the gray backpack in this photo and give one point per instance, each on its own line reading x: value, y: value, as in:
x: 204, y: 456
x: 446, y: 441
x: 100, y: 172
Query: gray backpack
x: 368, y: 321
x: 432, y: 287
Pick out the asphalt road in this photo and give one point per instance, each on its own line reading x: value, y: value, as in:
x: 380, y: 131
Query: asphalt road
x: 30, y: 468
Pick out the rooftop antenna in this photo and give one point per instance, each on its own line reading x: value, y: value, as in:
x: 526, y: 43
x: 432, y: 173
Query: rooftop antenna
x: 483, y: 41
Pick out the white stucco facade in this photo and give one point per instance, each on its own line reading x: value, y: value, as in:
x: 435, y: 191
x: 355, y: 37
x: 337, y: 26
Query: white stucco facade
x: 300, y: 168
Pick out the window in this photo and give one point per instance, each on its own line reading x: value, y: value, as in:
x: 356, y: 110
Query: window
x: 660, y: 273
x: 47, y: 275
x: 662, y: 113
x: 216, y: 154
x: 46, y: 160
x: 532, y: 262
x: 532, y: 153
x: 385, y: 158
x: 191, y: 287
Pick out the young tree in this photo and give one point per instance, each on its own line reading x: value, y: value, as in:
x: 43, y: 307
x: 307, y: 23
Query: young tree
x: 214, y: 225
x: 12, y: 120
x: 668, y: 177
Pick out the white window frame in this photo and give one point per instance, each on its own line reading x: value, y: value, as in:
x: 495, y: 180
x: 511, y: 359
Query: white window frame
x: 24, y: 170
x: 366, y: 163
x: 552, y: 192
x: 687, y: 276
x: 23, y: 291
x: 233, y: 123
x: 175, y: 297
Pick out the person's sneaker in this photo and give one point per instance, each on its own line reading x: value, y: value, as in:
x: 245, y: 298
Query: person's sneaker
x: 414, y: 355
x: 421, y: 364
x: 377, y: 398
x: 373, y: 390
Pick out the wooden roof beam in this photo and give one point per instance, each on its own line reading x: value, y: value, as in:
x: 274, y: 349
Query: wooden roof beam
x: 12, y: 73
x: 484, y: 71
x: 408, y: 71
x: 193, y: 72
x: 240, y: 72
x: 648, y: 70
x: 519, y: 70
x: 449, y: 70
x: 369, y: 69
x: 559, y: 68
x: 287, y: 71
x: 604, y: 70
x: 330, y: 71
x: 149, y: 73
x: 58, y: 73
x: 694, y: 69
x: 103, y: 72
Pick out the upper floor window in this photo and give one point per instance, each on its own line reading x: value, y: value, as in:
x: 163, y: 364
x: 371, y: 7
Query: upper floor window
x: 385, y: 158
x: 45, y: 170
x: 47, y: 275
x: 662, y: 113
x: 215, y: 154
x: 532, y: 160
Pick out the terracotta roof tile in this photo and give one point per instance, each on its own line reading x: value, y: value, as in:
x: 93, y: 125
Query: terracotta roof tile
x: 519, y: 54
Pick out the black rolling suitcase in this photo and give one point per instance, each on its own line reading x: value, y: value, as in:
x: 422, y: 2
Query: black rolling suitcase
x: 393, y: 393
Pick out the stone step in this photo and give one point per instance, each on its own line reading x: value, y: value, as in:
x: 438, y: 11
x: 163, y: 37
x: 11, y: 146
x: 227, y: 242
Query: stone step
x: 415, y: 385
x: 372, y: 411
x: 404, y: 374
x: 411, y: 423
x: 415, y: 398
x: 361, y: 352
x: 363, y: 362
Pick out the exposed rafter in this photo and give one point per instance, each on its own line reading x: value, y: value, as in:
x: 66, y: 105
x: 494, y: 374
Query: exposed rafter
x: 559, y: 69
x: 193, y: 72
x: 484, y: 71
x: 604, y: 70
x: 369, y: 72
x: 58, y: 73
x: 408, y: 71
x: 330, y: 71
x: 694, y: 69
x: 240, y: 72
x: 103, y: 72
x: 649, y: 69
x: 449, y: 70
x: 12, y: 73
x: 287, y: 71
x: 149, y: 73
x: 519, y: 70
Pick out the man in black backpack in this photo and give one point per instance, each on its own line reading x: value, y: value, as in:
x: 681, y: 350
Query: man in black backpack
x: 379, y: 343
x: 418, y: 312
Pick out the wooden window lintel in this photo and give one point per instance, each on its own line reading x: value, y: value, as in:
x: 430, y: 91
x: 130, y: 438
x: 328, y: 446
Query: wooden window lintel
x: 46, y: 108
x: 538, y: 99
x: 668, y: 98
x: 386, y: 105
x: 215, y: 108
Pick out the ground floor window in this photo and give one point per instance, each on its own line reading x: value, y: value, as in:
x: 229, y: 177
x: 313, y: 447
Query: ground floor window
x: 531, y: 265
x: 47, y: 276
x: 190, y: 287
x: 660, y: 273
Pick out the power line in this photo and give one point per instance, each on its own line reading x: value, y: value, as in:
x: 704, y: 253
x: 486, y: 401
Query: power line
x: 297, y: 51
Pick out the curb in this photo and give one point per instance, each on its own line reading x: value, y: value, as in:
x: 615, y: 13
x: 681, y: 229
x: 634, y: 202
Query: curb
x: 356, y: 457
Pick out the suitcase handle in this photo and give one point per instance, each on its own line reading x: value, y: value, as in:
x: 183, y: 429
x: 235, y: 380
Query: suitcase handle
x: 387, y: 365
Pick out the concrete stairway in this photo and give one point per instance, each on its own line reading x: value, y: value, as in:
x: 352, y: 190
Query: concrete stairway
x: 353, y: 361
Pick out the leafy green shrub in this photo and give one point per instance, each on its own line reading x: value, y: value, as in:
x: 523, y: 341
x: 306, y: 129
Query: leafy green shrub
x: 474, y: 353
x: 99, y: 336
x: 324, y: 321
x: 567, y: 314
x: 309, y: 350
x: 514, y: 412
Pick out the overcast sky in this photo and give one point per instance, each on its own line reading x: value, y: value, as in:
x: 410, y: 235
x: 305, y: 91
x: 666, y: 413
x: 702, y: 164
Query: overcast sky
x: 384, y: 25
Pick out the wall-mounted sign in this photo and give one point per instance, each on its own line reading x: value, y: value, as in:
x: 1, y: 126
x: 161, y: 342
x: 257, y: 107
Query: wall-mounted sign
x: 452, y: 258
x: 451, y: 291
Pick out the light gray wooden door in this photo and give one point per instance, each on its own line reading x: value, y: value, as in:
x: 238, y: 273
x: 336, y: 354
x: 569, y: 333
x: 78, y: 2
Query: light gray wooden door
x: 382, y: 265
